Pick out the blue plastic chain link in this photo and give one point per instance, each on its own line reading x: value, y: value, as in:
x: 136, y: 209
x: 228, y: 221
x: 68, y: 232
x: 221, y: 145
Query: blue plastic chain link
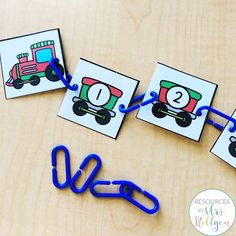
x: 219, y: 113
x: 91, y: 176
x: 109, y: 195
x: 125, y: 191
x: 137, y: 204
x: 153, y: 98
x: 71, y: 181
x: 67, y: 166
x: 53, y: 63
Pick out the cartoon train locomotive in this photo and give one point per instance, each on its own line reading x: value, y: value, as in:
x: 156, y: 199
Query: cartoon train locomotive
x: 232, y: 146
x: 30, y: 71
x: 98, y: 99
x: 176, y: 101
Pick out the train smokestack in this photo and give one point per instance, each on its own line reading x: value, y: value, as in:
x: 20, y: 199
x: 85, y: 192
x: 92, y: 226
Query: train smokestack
x: 23, y: 57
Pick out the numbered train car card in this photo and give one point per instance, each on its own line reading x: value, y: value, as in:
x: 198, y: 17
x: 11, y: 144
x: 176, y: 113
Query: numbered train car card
x: 24, y: 62
x: 95, y: 104
x: 179, y: 96
x: 225, y: 146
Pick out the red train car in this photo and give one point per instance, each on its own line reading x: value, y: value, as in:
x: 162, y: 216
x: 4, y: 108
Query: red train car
x: 176, y: 101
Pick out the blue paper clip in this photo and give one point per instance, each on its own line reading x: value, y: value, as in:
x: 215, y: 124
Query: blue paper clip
x: 91, y: 176
x: 125, y: 191
x: 219, y: 113
x: 67, y: 166
x: 153, y: 98
x: 53, y: 63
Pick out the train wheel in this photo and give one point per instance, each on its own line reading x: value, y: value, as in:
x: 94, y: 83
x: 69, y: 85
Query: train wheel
x: 105, y: 119
x: 18, y: 83
x: 157, y: 110
x: 185, y: 121
x: 51, y: 75
x: 232, y: 149
x: 77, y: 108
x: 34, y: 80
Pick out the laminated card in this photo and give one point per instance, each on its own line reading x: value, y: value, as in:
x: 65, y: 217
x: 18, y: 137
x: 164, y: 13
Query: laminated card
x: 225, y: 146
x: 179, y: 96
x: 25, y: 63
x: 95, y: 104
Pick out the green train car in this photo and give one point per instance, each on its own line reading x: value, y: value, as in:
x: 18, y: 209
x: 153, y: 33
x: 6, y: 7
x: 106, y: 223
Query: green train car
x: 176, y: 101
x: 96, y: 98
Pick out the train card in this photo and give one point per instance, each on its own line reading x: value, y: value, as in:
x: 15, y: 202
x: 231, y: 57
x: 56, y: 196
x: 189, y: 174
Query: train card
x: 225, y: 145
x: 24, y: 62
x: 95, y: 104
x: 179, y: 96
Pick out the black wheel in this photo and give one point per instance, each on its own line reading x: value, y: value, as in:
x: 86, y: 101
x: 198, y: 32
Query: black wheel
x: 77, y: 108
x: 34, y: 80
x: 51, y: 74
x: 185, y: 121
x: 18, y: 83
x: 157, y: 110
x: 105, y: 119
x: 232, y: 149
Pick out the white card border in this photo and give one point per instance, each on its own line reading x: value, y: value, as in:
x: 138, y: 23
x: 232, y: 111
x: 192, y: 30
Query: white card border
x: 217, y: 141
x: 206, y: 113
x: 25, y: 35
x: 124, y: 113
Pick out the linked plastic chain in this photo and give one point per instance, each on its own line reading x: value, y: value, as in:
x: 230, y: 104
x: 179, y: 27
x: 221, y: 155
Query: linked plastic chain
x: 66, y: 81
x: 126, y: 188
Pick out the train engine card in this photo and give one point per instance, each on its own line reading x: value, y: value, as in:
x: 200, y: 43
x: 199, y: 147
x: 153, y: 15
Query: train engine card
x: 179, y: 96
x: 225, y: 146
x: 25, y: 63
x: 95, y: 104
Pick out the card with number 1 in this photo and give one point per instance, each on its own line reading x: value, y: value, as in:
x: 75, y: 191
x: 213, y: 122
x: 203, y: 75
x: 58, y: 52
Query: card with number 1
x: 95, y: 104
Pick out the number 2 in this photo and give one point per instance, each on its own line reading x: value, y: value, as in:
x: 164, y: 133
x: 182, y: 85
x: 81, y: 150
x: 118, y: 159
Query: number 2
x: 176, y: 99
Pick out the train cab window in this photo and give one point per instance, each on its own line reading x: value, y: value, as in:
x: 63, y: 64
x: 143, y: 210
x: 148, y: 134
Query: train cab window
x: 43, y: 55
